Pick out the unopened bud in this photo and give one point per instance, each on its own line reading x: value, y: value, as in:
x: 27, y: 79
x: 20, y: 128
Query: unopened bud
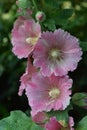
x: 40, y: 16
x: 80, y: 99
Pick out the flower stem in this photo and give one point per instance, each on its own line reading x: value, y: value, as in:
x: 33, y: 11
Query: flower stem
x: 34, y: 3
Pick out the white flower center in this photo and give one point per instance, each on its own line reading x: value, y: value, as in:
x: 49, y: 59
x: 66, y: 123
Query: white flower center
x: 32, y: 40
x: 54, y: 93
x: 54, y: 53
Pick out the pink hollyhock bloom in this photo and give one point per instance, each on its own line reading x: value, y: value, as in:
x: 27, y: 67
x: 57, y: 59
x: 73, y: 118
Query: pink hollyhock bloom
x: 26, y: 77
x: 57, y: 52
x: 40, y: 118
x: 46, y: 93
x: 53, y: 124
x: 25, y: 35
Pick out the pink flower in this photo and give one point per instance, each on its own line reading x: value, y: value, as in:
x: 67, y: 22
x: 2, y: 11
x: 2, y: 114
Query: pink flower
x: 46, y: 93
x: 40, y: 118
x: 71, y: 123
x: 57, y: 52
x: 25, y: 35
x: 53, y: 124
x: 26, y: 77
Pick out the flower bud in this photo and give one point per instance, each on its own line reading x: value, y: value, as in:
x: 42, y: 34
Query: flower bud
x: 80, y: 99
x: 40, y: 16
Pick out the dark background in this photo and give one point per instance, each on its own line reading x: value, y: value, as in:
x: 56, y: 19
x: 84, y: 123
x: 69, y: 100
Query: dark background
x: 11, y: 68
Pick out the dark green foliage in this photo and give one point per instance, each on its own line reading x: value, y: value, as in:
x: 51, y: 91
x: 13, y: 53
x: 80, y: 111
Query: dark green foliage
x: 23, y: 4
x: 83, y: 46
x: 10, y: 67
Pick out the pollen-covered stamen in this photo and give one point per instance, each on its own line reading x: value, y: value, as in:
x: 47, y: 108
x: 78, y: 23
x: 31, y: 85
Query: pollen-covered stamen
x: 54, y: 54
x: 32, y: 40
x: 54, y: 93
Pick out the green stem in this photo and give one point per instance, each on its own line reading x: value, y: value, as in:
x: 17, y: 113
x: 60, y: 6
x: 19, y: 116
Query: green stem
x: 34, y: 3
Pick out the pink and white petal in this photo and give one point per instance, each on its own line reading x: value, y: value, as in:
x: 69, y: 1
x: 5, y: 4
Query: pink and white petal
x: 68, y: 47
x: 53, y: 124
x: 22, y: 51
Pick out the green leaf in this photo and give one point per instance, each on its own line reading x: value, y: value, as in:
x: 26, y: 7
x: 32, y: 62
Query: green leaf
x: 52, y: 4
x: 83, y: 45
x: 65, y: 13
x: 23, y: 4
x: 50, y: 24
x: 82, y: 125
x: 18, y: 121
x: 80, y: 99
x: 62, y: 16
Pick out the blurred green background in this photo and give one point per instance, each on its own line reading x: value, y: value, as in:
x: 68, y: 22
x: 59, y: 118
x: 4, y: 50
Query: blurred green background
x: 12, y: 68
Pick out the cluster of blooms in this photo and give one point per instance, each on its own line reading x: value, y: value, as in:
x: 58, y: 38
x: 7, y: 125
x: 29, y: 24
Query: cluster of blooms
x: 50, y: 56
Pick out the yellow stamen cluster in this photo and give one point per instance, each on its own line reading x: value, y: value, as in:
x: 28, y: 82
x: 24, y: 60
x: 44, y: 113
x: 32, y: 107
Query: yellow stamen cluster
x: 54, y: 93
x: 54, y: 54
x: 32, y: 40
